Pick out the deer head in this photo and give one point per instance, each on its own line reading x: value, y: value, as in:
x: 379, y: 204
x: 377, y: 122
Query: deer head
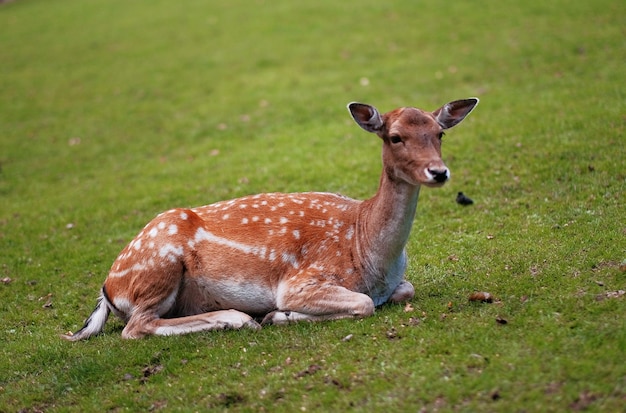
x: 412, y: 139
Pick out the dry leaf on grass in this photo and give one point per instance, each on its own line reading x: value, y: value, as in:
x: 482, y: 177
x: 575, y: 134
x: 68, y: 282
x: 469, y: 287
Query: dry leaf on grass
x: 149, y: 371
x: 48, y: 299
x: 583, y: 401
x: 482, y: 297
x: 392, y: 334
x: 313, y: 368
x: 610, y: 294
x: 414, y: 321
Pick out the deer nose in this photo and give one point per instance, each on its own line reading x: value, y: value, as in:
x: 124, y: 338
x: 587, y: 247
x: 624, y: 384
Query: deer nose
x: 439, y: 174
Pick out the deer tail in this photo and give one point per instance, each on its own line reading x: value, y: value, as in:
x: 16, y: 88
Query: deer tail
x: 95, y: 323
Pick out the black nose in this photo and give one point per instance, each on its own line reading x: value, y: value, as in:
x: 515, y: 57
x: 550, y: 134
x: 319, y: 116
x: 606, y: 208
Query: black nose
x: 439, y: 175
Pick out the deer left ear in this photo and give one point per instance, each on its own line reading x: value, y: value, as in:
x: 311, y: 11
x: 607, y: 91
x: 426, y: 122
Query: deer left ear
x: 453, y: 113
x: 366, y: 116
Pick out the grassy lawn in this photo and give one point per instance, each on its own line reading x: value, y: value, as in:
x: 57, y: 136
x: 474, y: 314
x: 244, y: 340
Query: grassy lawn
x: 113, y: 111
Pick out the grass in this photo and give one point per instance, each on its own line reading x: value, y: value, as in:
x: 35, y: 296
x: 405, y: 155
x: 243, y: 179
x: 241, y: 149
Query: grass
x: 114, y: 111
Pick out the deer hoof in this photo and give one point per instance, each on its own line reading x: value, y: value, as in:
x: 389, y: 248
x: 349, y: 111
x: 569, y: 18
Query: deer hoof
x: 276, y: 317
x: 268, y: 319
x: 252, y: 325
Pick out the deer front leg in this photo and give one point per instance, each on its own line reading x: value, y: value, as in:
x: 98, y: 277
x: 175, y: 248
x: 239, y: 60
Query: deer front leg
x: 403, y: 292
x: 315, y: 301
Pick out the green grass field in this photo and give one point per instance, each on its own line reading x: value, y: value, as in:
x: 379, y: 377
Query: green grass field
x: 113, y: 111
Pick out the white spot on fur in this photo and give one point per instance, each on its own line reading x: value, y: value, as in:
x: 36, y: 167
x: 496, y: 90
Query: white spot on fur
x: 183, y: 216
x: 296, y: 234
x: 350, y: 233
x: 244, y: 221
x: 138, y: 267
x: 261, y: 252
x: 153, y: 232
x: 290, y: 259
x: 170, y: 251
x: 118, y: 274
x: 173, y: 229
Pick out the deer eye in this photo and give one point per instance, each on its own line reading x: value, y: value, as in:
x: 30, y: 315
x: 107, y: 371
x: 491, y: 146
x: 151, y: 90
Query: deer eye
x: 395, y: 139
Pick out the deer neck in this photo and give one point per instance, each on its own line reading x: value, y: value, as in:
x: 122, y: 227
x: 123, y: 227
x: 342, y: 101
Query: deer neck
x: 384, y: 225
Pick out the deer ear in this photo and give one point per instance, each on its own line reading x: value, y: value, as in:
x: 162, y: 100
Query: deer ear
x: 366, y: 116
x: 453, y: 113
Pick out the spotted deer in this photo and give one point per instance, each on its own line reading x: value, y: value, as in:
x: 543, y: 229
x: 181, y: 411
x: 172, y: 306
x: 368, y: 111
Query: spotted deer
x: 282, y: 257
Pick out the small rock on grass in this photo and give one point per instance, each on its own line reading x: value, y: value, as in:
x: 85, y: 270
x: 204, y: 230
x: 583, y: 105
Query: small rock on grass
x: 348, y: 337
x: 463, y: 199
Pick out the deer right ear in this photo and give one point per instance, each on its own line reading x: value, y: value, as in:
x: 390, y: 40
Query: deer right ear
x: 366, y: 116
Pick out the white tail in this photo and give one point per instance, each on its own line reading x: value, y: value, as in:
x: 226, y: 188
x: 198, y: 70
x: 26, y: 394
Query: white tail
x: 284, y: 257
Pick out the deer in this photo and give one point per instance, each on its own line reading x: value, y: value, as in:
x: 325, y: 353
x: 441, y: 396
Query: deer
x: 280, y: 258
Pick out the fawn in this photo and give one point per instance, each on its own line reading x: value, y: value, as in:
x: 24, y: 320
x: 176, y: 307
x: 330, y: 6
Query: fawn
x: 284, y: 257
